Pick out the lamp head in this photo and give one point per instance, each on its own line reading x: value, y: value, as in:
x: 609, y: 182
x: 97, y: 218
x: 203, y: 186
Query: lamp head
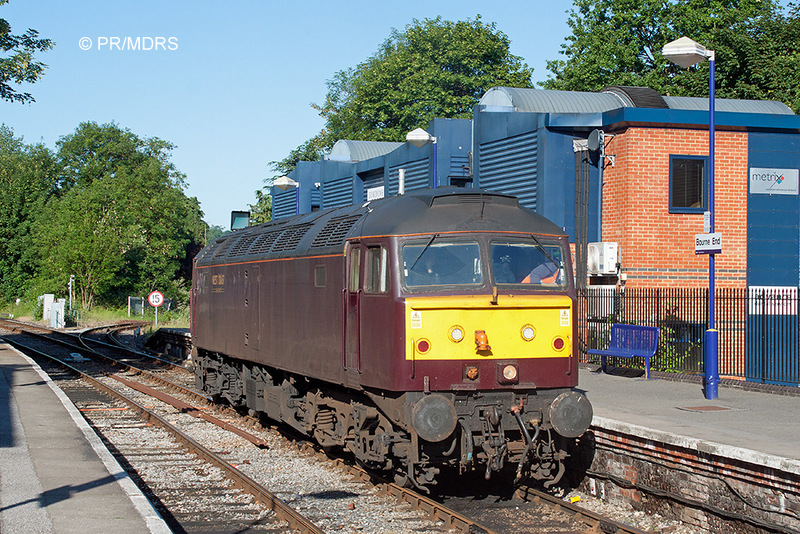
x: 419, y: 138
x: 284, y: 183
x: 685, y: 52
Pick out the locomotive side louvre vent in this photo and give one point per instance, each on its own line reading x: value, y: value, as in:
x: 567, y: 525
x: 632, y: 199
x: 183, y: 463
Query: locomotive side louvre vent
x: 290, y: 237
x: 334, y: 231
x: 265, y: 242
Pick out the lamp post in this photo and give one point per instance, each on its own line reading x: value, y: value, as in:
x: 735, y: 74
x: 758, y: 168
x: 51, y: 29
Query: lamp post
x: 685, y: 52
x: 284, y: 183
x: 419, y: 138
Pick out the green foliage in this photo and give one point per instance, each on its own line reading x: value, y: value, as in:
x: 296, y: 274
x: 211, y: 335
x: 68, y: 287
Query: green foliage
x: 19, y: 66
x: 27, y: 178
x: 619, y: 42
x: 434, y: 68
x: 120, y: 221
x: 308, y: 151
x: 213, y: 232
x: 261, y: 211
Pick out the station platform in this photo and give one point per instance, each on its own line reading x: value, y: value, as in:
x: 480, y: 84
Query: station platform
x: 742, y: 423
x: 56, y: 475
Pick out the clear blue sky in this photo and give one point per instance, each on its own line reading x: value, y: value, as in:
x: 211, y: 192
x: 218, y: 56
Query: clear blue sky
x: 232, y: 88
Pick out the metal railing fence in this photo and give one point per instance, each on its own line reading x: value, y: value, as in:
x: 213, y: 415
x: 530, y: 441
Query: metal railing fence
x: 758, y: 328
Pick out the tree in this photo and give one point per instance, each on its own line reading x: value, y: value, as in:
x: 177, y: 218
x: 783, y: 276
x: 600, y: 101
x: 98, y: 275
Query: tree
x: 618, y: 42
x: 27, y: 178
x: 213, y: 232
x: 120, y: 221
x: 83, y: 233
x: 435, y: 68
x: 20, y: 66
x: 261, y: 211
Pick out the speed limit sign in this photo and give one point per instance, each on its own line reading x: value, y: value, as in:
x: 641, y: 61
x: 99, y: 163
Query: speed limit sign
x: 155, y: 299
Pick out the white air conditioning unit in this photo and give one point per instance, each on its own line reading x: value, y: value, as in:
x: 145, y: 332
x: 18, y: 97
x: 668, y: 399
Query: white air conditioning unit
x: 602, y: 258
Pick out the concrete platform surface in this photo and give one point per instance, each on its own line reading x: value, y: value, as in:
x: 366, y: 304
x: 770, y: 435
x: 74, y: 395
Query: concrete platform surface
x: 747, y: 425
x: 55, y: 473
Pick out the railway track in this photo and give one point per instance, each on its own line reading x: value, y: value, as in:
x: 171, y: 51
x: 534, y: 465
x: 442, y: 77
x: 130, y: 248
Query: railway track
x: 195, y: 488
x: 145, y: 450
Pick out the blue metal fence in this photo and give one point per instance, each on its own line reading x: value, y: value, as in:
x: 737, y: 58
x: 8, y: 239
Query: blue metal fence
x: 759, y: 332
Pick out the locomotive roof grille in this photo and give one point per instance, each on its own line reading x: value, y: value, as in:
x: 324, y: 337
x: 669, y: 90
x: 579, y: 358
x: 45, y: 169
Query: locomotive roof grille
x: 222, y: 249
x: 335, y: 231
x: 476, y: 198
x: 290, y: 238
x: 264, y: 242
x: 208, y: 252
x: 242, y: 245
x: 444, y: 209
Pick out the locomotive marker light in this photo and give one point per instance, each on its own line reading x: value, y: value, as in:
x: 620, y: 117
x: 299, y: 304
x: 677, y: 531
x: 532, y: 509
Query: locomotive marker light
x: 456, y: 334
x: 528, y: 332
x: 685, y: 52
x: 284, y: 183
x: 419, y: 138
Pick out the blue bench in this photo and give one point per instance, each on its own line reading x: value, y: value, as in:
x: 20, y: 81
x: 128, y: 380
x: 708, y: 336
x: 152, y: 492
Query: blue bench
x: 630, y: 341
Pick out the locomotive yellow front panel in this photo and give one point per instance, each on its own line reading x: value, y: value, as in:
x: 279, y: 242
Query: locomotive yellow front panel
x: 472, y: 327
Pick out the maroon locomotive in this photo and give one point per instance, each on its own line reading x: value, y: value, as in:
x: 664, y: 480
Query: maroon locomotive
x: 419, y: 332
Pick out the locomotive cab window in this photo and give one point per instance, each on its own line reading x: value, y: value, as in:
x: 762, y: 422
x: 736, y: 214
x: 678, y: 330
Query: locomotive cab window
x: 529, y: 263
x: 377, y: 272
x: 442, y: 263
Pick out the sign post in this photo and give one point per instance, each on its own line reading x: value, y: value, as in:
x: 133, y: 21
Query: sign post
x: 155, y: 299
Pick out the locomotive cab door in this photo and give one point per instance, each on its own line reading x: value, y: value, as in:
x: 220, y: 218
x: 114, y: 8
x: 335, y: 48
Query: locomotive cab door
x: 351, y: 359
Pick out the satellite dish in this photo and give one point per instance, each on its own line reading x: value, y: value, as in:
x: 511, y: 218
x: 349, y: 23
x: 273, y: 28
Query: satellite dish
x: 595, y: 146
x: 595, y: 140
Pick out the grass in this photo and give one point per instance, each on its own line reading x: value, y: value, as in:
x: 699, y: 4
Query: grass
x: 26, y: 311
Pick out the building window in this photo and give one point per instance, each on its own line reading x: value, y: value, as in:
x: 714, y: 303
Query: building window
x: 687, y: 184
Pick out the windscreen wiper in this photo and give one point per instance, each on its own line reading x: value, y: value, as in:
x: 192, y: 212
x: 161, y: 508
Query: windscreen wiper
x: 558, y: 264
x: 434, y: 236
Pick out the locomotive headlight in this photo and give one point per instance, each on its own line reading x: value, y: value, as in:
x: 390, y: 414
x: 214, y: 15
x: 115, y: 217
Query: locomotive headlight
x: 528, y: 332
x: 510, y: 372
x: 456, y: 334
x: 507, y: 373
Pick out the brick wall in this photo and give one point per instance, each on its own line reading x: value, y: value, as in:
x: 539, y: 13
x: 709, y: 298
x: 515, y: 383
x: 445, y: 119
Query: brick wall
x: 708, y: 491
x: 657, y: 247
